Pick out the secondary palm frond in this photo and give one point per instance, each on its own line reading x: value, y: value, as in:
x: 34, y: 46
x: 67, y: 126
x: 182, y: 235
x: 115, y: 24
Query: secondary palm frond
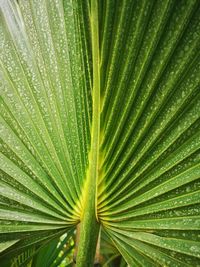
x: 100, y: 125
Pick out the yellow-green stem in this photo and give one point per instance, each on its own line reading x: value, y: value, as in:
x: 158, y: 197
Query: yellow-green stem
x: 89, y: 227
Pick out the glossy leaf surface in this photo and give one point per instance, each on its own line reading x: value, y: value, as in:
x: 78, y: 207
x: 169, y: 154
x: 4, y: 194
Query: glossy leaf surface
x: 100, y: 114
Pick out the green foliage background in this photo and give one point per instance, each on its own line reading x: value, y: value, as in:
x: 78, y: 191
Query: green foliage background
x: 100, y: 122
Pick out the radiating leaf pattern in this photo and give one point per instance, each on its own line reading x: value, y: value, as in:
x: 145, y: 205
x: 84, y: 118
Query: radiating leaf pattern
x: 148, y: 192
x: 45, y: 119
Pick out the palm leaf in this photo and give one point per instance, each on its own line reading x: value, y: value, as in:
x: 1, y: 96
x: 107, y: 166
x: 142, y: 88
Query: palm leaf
x: 100, y: 125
